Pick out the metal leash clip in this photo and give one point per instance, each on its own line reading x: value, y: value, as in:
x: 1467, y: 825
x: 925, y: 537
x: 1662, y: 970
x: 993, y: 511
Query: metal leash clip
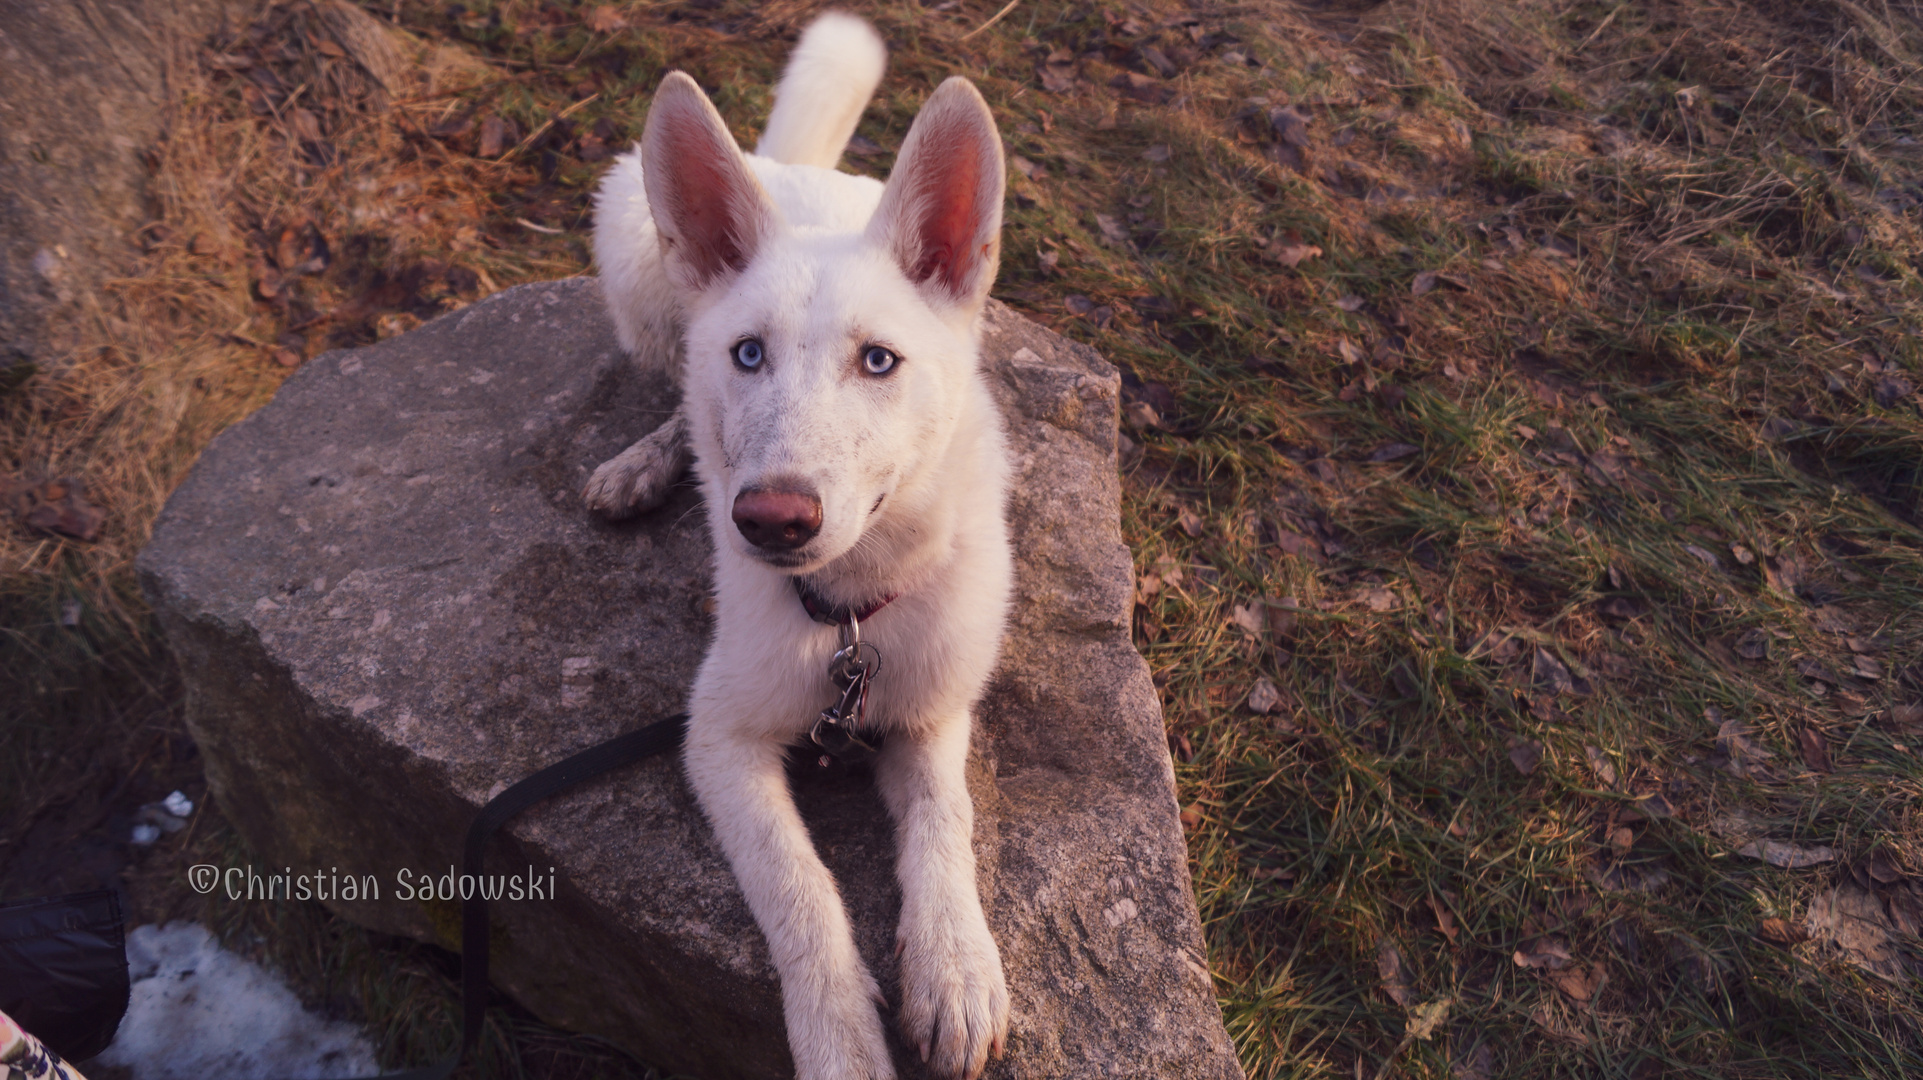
x: 837, y: 729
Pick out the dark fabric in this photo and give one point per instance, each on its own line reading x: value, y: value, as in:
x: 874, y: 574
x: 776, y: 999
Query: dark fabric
x: 63, y: 970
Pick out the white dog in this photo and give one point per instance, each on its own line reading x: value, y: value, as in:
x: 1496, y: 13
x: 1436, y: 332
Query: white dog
x: 824, y: 331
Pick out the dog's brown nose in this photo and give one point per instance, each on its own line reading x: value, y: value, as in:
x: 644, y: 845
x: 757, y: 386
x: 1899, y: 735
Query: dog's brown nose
x: 777, y: 520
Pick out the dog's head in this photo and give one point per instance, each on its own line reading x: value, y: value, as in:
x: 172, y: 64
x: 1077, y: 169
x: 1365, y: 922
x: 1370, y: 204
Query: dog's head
x: 826, y: 371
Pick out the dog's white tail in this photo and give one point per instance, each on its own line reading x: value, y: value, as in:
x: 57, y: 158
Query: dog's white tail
x: 832, y: 74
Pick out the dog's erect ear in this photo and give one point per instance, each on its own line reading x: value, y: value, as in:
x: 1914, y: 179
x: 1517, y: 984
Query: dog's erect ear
x: 711, y: 211
x: 941, y: 215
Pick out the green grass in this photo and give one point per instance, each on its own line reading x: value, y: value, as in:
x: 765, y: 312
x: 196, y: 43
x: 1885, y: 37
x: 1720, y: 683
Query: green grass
x: 1676, y: 306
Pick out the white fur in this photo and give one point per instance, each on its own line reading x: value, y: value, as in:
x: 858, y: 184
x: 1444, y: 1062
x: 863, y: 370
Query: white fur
x: 834, y: 71
x: 703, y: 247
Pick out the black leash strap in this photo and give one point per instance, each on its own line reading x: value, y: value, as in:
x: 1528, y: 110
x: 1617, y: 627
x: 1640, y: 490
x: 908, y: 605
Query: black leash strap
x: 657, y: 738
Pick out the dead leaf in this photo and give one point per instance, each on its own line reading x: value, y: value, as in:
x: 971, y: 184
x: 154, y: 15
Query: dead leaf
x: 1158, y: 60
x: 606, y: 19
x: 1026, y: 167
x: 1426, y: 1017
x: 1743, y: 555
x: 1707, y: 556
x: 57, y: 506
x: 1877, y: 869
x: 1378, y: 598
x: 1815, y: 750
x: 1048, y: 262
x: 1189, y: 520
x: 1192, y: 815
x: 1158, y: 152
x: 1526, y: 756
x: 1057, y: 78
x: 256, y: 101
x: 1620, y: 607
x: 1784, y: 572
x: 1551, y: 673
x: 1248, y: 618
x: 267, y: 282
x: 1832, y: 620
x: 1600, y: 764
x: 1141, y: 416
x: 1445, y: 919
x: 1782, y: 932
x: 1264, y: 697
x: 497, y: 135
x: 1347, y: 350
x: 1112, y: 230
x: 1738, y: 754
x: 1787, y: 855
x: 1810, y: 669
x: 1868, y: 667
x: 1350, y: 302
x: 1581, y: 984
x: 1546, y: 953
x: 1891, y: 389
x: 1853, y: 920
x: 1393, y: 452
x: 1291, y: 254
x: 1290, y: 126
x: 306, y: 125
x: 1169, y: 569
x: 1753, y: 645
x: 1395, y: 981
x: 1425, y: 281
x: 1300, y: 546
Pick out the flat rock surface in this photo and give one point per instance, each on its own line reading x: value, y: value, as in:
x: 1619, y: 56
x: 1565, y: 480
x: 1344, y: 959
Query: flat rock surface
x: 389, y: 604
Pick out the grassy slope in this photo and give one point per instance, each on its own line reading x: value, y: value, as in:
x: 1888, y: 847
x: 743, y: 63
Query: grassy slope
x: 1556, y: 363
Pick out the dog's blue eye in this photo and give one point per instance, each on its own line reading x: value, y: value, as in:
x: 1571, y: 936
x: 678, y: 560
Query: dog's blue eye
x: 878, y: 361
x: 748, y: 354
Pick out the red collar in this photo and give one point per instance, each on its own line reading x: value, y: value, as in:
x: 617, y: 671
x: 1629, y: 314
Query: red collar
x: 821, y: 611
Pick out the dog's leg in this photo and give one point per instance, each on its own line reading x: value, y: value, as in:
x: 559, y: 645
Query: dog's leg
x: 637, y: 479
x: 954, y: 1004
x: 827, y: 994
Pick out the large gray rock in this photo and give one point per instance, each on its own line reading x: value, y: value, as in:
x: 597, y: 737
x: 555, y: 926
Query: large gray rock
x: 388, y: 603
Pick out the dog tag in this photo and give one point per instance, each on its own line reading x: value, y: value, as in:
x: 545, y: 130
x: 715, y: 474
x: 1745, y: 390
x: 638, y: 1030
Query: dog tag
x: 836, y: 729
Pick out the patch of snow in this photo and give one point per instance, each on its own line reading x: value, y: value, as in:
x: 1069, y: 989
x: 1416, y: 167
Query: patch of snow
x: 200, y: 1012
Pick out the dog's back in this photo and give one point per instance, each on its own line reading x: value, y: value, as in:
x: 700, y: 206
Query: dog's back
x: 830, y: 78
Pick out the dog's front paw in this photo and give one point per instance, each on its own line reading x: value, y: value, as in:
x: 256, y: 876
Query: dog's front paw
x: 638, y: 479
x: 837, y: 1034
x: 954, y: 1002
